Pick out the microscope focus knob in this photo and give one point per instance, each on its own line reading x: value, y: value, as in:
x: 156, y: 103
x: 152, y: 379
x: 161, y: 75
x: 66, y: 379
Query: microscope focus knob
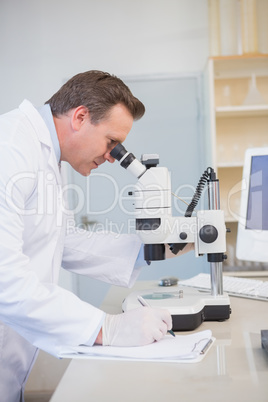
x: 183, y: 236
x: 208, y: 234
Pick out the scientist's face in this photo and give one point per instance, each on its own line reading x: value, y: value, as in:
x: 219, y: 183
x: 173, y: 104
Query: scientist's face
x: 91, y: 144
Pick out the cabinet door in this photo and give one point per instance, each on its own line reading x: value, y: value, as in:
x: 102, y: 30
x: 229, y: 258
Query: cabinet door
x: 172, y: 128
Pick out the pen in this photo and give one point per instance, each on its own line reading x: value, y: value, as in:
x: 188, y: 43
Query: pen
x: 144, y: 303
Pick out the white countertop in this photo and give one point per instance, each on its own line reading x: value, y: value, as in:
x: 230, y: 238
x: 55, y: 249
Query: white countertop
x: 235, y: 368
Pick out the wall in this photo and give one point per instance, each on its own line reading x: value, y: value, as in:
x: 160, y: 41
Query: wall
x: 45, y: 42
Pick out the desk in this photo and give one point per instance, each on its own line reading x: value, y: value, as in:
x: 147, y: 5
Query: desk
x: 235, y: 369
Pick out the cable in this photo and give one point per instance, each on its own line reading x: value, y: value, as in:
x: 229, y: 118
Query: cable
x: 198, y: 192
x: 208, y: 174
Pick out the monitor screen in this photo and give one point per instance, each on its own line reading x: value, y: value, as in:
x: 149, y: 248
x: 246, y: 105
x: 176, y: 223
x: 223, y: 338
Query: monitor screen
x: 257, y: 209
x: 252, y: 235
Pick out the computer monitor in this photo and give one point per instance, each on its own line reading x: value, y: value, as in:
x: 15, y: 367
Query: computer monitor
x: 252, y: 235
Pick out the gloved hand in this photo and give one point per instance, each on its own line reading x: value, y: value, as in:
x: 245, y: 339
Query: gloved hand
x: 136, y: 327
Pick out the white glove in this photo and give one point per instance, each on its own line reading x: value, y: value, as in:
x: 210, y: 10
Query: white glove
x: 136, y: 327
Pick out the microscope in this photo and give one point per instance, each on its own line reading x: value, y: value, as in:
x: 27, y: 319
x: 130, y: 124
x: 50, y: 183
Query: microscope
x: 157, y: 228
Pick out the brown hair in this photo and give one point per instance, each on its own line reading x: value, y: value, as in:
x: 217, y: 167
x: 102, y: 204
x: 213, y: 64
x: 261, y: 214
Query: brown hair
x: 98, y: 92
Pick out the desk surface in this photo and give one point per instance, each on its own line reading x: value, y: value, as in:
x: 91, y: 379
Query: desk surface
x: 235, y: 368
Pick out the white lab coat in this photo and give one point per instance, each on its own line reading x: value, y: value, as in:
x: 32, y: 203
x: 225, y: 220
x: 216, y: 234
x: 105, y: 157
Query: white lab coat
x: 35, y: 240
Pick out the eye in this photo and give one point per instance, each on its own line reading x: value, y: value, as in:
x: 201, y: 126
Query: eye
x: 112, y: 143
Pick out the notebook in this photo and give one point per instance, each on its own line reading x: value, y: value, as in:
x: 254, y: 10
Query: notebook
x: 190, y: 348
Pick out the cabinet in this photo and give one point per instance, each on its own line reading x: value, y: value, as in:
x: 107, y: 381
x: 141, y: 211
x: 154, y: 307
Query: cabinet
x: 238, y: 119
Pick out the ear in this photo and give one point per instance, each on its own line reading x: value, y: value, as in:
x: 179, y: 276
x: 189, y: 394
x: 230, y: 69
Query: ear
x: 79, y: 116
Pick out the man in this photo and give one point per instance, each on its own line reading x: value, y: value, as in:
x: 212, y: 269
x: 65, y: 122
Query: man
x: 80, y: 124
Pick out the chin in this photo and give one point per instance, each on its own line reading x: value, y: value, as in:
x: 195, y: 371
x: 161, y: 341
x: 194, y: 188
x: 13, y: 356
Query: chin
x: 84, y: 169
x: 84, y: 172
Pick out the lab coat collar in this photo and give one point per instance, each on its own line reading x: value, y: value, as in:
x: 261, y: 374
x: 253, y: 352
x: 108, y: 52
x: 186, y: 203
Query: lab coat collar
x: 46, y: 114
x: 42, y: 133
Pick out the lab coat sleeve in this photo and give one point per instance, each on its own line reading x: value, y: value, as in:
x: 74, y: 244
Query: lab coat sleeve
x: 49, y: 317
x: 110, y: 257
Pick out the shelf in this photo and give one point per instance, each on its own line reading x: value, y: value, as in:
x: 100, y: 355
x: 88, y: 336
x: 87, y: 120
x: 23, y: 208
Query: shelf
x: 230, y: 219
x: 225, y: 165
x: 240, y: 66
x: 240, y: 57
x: 237, y: 111
x: 234, y: 127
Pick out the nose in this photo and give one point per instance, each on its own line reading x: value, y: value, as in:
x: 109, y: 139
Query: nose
x: 108, y: 157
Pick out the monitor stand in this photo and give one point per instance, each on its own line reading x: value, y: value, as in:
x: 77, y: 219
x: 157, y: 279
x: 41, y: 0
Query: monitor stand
x: 264, y: 339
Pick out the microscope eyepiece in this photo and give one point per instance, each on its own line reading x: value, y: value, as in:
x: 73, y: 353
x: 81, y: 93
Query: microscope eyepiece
x: 122, y: 155
x: 118, y: 152
x: 127, y: 160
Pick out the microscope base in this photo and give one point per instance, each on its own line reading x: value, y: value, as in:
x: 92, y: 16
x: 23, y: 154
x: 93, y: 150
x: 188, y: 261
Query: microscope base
x: 188, y: 307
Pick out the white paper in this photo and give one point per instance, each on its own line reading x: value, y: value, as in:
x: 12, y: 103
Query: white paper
x: 179, y: 348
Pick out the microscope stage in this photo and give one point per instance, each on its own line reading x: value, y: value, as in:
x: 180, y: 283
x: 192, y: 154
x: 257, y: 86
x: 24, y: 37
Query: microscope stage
x: 188, y: 307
